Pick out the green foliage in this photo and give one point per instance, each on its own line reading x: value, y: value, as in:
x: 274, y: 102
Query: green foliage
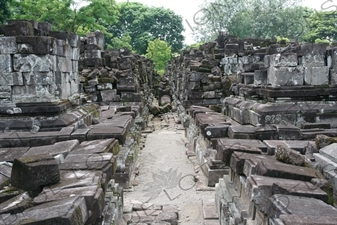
x: 124, y: 41
x: 68, y: 15
x: 322, y: 41
x: 194, y: 45
x: 160, y: 53
x: 145, y: 24
x: 5, y: 12
x: 254, y: 18
x: 280, y: 39
x: 322, y: 25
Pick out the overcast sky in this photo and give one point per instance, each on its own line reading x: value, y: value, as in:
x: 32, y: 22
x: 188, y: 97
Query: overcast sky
x: 188, y: 8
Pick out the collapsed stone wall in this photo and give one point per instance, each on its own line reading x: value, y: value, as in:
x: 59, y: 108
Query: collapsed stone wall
x: 80, y: 124
x: 196, y: 76
x: 261, y: 152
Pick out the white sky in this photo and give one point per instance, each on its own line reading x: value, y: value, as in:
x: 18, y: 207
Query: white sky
x: 188, y: 8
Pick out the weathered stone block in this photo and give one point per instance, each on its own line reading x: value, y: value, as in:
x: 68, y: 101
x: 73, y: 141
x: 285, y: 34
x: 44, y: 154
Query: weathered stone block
x: 283, y: 60
x: 70, y: 211
x: 11, y: 79
x: 30, y: 63
x: 63, y: 64
x: 92, y: 54
x: 300, y: 210
x: 97, y: 146
x: 109, y: 96
x: 8, y: 45
x: 131, y: 97
x: 260, y: 77
x: 285, y: 76
x: 6, y: 64
x: 18, y: 28
x: 36, y: 45
x: 33, y: 172
x: 9, y: 154
x: 316, y: 75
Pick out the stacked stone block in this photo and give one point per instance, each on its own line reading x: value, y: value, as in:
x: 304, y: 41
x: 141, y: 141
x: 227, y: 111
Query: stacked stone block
x: 37, y: 64
x: 196, y: 77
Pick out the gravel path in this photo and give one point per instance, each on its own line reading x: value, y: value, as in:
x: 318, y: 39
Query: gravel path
x: 166, y: 176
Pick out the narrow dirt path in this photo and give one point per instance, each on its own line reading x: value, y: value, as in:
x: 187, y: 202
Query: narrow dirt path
x: 166, y: 176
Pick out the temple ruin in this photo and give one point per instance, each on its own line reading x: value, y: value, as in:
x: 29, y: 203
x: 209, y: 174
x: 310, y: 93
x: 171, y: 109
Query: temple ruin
x: 259, y: 117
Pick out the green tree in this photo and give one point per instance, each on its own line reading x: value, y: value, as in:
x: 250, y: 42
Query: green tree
x: 160, y: 53
x: 5, y: 12
x: 145, y: 24
x: 68, y: 15
x: 254, y: 18
x: 322, y: 26
x: 124, y: 41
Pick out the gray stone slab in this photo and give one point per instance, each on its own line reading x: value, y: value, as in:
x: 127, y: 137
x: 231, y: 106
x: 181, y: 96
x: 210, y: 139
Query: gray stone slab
x: 70, y: 211
x: 225, y: 148
x: 80, y: 134
x: 9, y: 154
x: 269, y: 166
x: 104, y: 162
x: 301, y: 210
x: 242, y: 132
x: 8, y: 45
x: 17, y: 204
x: 293, y: 144
x: 6, y: 63
x: 97, y: 146
x: 316, y: 75
x: 285, y: 76
x: 93, y: 195
x: 64, y: 148
x: 260, y: 188
x: 107, y: 132
x: 77, y: 178
x: 283, y: 60
x: 330, y: 152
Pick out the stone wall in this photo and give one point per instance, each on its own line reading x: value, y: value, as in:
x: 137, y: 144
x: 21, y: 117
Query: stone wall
x: 37, y: 64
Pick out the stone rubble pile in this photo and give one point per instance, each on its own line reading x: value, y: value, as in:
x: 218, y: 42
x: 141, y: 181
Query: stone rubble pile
x: 196, y: 77
x: 65, y: 159
x: 258, y: 147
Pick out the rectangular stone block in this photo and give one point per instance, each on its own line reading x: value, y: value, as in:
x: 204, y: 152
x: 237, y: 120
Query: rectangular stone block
x: 283, y: 60
x: 92, y: 54
x: 18, y: 28
x: 36, y: 45
x: 11, y: 79
x: 8, y: 45
x: 70, y: 211
x: 30, y: 63
x: 109, y: 96
x: 64, y: 65
x: 131, y: 97
x: 6, y: 64
x: 260, y: 77
x: 301, y: 210
x: 38, y: 78
x: 285, y: 76
x: 97, y: 147
x: 75, y: 54
x: 316, y: 75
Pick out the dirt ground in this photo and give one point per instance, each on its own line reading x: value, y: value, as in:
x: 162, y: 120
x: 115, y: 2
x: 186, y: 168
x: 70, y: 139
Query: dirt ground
x: 165, y: 175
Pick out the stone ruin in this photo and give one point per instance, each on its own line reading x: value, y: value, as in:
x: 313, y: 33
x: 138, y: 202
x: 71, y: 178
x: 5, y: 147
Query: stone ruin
x: 256, y: 113
x: 259, y: 116
x: 71, y: 116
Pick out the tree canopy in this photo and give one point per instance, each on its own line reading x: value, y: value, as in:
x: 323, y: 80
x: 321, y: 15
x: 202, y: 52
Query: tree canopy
x: 145, y: 24
x: 322, y: 26
x: 255, y: 18
x: 160, y: 53
x: 5, y: 12
x: 68, y: 15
